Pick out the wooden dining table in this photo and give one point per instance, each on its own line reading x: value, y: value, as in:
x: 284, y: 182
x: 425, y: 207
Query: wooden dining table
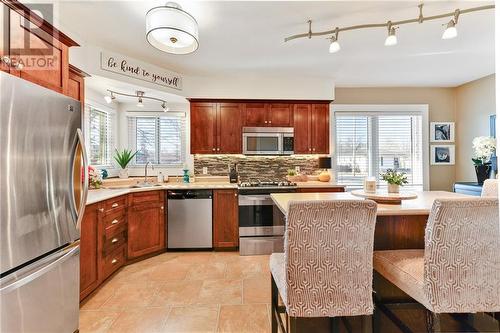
x: 398, y: 226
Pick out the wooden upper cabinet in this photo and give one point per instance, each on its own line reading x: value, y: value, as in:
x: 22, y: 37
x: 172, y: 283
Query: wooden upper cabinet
x: 76, y: 85
x: 203, y: 128
x: 225, y: 218
x: 320, y: 129
x: 301, y: 128
x: 268, y: 114
x: 229, y: 128
x: 280, y: 115
x: 89, y: 277
x: 256, y: 114
x: 146, y: 227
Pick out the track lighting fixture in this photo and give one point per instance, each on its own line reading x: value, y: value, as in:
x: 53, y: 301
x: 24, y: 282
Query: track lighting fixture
x: 450, y: 31
x: 334, y: 42
x: 109, y: 98
x: 140, y: 95
x: 391, y: 37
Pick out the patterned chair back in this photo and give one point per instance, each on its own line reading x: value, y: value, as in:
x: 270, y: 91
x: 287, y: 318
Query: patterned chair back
x: 462, y: 256
x: 328, y: 258
x: 490, y: 188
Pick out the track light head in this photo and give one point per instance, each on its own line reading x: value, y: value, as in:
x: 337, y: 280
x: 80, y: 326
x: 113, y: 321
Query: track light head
x: 109, y: 98
x: 139, y: 103
x: 164, y: 107
x: 391, y: 37
x: 334, y: 42
x: 451, y: 30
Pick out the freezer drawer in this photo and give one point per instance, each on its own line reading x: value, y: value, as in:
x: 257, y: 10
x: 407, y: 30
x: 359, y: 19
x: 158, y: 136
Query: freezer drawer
x: 43, y: 297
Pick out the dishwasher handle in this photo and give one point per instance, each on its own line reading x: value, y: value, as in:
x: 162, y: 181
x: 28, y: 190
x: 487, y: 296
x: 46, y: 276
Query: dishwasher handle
x: 189, y: 194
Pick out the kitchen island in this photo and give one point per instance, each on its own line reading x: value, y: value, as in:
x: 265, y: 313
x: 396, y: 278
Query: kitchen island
x: 399, y: 226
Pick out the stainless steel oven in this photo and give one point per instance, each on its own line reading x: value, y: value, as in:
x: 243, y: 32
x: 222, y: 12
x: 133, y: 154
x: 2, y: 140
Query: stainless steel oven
x: 268, y: 140
x: 261, y: 225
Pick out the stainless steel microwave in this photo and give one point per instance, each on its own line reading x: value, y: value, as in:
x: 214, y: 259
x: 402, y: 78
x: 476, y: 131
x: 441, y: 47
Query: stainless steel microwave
x: 268, y: 140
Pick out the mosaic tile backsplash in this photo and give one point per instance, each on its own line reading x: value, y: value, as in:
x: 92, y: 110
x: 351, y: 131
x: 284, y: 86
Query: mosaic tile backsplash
x: 260, y: 167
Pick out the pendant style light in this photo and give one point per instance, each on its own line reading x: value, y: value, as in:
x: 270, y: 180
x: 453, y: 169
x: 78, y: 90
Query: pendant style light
x: 171, y: 29
x: 140, y: 94
x: 109, y: 98
x: 334, y: 44
x: 391, y: 39
x: 451, y: 29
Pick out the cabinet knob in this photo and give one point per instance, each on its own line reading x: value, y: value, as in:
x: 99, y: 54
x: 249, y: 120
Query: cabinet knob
x: 314, y: 149
x: 265, y: 121
x: 114, y: 240
x: 101, y: 210
x: 269, y: 121
x: 114, y: 261
x: 213, y: 149
x: 114, y: 221
x: 218, y: 149
x: 161, y: 208
x: 19, y: 66
x: 6, y: 60
x: 114, y: 205
x: 309, y: 149
x: 236, y: 194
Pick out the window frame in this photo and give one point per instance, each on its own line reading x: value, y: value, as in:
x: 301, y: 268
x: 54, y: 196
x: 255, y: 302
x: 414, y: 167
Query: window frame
x: 132, y: 137
x: 110, y: 133
x: 377, y: 110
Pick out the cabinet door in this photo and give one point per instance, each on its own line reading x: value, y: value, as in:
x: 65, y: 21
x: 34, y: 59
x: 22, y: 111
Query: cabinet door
x: 44, y: 58
x: 256, y: 114
x: 203, y: 128
x: 229, y: 128
x: 301, y: 124
x: 225, y: 218
x: 320, y: 129
x: 146, y: 229
x: 89, y: 277
x: 75, y: 87
x: 280, y: 115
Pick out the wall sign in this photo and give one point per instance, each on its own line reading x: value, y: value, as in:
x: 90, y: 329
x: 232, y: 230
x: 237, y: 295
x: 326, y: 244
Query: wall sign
x: 120, y: 64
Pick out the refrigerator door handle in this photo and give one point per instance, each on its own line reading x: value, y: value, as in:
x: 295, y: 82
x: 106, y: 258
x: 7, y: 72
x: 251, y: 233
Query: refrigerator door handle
x: 30, y: 275
x: 79, y: 183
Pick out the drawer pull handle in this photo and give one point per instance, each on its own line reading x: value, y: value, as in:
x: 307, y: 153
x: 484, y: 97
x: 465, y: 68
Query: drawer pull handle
x: 114, y: 261
x: 114, y: 205
x: 114, y: 240
x: 115, y: 221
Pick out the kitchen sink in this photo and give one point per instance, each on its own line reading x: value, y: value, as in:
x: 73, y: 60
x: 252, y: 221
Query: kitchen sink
x: 138, y: 185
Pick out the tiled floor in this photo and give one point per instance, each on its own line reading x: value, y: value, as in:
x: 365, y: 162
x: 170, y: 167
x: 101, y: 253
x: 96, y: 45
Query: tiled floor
x: 183, y: 292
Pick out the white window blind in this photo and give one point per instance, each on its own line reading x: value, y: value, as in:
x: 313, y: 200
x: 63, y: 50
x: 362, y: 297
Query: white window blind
x: 99, y: 136
x: 159, y: 140
x: 368, y: 144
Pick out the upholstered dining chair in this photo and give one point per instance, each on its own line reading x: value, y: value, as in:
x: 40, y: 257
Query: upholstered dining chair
x: 458, y: 272
x: 490, y: 188
x: 326, y: 270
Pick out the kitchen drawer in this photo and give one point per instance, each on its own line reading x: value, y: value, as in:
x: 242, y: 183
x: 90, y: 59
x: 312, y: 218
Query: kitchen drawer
x: 113, y: 261
x: 114, y: 223
x: 115, y: 204
x: 146, y: 197
x: 113, y: 242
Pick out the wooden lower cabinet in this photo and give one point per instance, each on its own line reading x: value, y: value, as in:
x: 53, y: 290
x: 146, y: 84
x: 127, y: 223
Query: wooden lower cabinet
x: 146, y: 225
x: 225, y: 219
x: 89, y: 270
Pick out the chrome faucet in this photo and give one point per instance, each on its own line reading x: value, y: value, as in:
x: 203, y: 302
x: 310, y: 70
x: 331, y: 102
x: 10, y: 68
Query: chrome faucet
x: 146, y: 171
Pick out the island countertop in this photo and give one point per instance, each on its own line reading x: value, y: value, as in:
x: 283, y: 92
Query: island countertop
x: 419, y: 206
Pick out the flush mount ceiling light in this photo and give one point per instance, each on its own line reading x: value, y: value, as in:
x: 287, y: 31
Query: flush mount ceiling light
x: 140, y: 95
x: 450, y: 32
x: 171, y: 29
x: 391, y: 37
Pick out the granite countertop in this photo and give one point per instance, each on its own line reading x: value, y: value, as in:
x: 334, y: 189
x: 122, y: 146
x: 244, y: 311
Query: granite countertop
x: 420, y: 206
x: 117, y: 187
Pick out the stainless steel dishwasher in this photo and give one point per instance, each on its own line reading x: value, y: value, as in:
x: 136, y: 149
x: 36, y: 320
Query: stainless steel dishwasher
x: 189, y: 219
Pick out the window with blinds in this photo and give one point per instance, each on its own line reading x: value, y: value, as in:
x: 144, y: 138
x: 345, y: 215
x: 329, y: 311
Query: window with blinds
x: 99, y: 137
x: 159, y: 140
x: 369, y: 144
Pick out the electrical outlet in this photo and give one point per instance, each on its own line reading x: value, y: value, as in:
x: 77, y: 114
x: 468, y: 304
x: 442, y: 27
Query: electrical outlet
x: 297, y: 169
x: 205, y: 170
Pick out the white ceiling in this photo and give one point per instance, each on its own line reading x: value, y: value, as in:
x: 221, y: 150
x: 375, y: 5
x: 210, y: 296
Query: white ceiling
x: 246, y: 38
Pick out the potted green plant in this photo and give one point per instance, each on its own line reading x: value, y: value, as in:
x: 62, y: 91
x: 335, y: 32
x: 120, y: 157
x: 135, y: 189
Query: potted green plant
x: 483, y: 147
x: 394, y: 180
x: 123, y: 158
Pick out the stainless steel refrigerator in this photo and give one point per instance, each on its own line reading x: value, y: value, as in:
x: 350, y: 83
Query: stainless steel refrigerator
x: 43, y: 191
